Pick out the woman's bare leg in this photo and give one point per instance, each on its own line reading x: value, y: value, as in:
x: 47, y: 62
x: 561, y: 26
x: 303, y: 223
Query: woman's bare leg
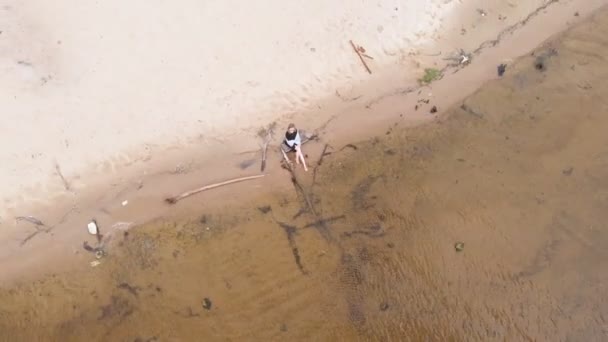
x: 300, y: 156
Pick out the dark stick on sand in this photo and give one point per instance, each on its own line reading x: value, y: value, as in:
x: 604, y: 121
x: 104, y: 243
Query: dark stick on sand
x: 359, y: 50
x: 65, y: 182
x: 265, y: 149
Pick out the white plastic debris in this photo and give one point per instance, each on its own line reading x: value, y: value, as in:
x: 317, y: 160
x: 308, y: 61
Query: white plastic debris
x: 92, y: 227
x: 95, y: 263
x: 125, y: 202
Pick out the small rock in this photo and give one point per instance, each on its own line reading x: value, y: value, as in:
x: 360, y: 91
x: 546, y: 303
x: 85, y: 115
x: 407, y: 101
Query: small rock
x: 501, y: 69
x: 539, y: 64
x: 383, y: 306
x: 207, y: 303
x: 265, y: 209
x: 99, y: 253
x: 576, y: 14
x: 390, y: 245
x: 459, y: 246
x: 283, y: 327
x: 125, y: 202
x: 568, y: 171
x: 433, y: 109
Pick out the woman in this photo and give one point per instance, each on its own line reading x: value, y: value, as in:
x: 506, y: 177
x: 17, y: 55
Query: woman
x: 293, y: 143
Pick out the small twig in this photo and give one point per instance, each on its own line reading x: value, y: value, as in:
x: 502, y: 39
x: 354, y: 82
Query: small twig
x: 38, y: 224
x: 431, y: 54
x: 265, y: 148
x: 323, y: 154
x: 30, y: 219
x: 175, y: 199
x: 319, y: 162
x: 31, y: 236
x: 349, y: 146
x: 358, y: 52
x: 65, y: 182
x: 347, y: 99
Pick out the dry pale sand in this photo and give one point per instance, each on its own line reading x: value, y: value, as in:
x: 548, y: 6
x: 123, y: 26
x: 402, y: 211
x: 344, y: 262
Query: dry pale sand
x: 366, y: 246
x: 96, y: 85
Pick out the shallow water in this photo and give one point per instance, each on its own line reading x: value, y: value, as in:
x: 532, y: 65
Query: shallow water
x: 364, y: 247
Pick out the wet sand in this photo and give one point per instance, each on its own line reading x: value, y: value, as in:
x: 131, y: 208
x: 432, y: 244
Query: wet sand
x: 363, y: 246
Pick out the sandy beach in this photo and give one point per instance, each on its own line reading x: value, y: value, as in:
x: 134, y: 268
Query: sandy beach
x: 97, y: 107
x: 113, y: 107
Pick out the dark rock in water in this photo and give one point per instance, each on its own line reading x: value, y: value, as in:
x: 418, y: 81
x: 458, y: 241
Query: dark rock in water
x: 246, y: 163
x: 568, y: 171
x: 539, y: 64
x: 383, y: 306
x: 265, y: 209
x: 501, y: 69
x: 433, y: 109
x: 88, y: 247
x: 207, y: 303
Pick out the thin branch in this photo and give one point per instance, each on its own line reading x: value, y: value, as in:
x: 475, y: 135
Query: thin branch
x: 175, y: 199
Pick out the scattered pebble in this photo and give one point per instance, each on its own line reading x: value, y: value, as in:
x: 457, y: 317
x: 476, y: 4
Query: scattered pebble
x: 95, y: 263
x: 383, y: 306
x: 265, y: 209
x: 99, y: 254
x: 283, y: 327
x: 539, y: 64
x: 433, y: 109
x: 568, y: 171
x: 207, y: 303
x: 125, y: 202
x: 459, y: 246
x: 501, y: 69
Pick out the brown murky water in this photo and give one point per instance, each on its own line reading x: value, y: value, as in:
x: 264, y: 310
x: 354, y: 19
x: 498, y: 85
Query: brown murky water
x: 365, y: 249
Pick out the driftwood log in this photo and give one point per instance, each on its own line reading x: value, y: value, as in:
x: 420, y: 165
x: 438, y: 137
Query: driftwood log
x: 175, y: 199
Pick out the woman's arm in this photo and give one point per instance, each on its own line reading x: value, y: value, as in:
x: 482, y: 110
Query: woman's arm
x: 298, y: 140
